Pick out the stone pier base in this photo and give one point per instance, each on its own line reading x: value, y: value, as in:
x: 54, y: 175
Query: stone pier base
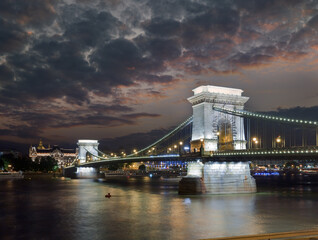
x: 228, y: 177
x: 191, y: 186
x: 217, y: 178
x: 82, y: 172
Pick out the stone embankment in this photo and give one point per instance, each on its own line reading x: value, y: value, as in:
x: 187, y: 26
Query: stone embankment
x: 295, y: 235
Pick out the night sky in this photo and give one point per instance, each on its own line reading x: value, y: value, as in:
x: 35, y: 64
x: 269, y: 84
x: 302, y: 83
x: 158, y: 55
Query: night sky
x: 104, y: 69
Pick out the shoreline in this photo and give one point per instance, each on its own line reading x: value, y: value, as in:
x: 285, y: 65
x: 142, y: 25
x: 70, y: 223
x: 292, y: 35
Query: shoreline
x: 296, y: 235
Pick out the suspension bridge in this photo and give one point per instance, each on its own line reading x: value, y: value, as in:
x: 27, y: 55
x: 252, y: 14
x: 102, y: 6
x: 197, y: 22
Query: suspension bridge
x: 218, y: 142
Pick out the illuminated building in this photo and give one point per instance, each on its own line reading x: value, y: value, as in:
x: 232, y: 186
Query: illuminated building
x: 63, y: 156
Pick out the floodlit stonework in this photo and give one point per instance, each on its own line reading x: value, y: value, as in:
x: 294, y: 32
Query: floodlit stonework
x: 213, y: 129
x: 217, y: 178
x: 228, y: 177
x: 87, y: 150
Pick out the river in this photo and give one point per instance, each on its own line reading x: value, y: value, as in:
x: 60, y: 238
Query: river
x: 147, y: 208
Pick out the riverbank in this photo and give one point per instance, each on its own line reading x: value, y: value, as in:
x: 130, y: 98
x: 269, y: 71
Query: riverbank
x: 11, y: 175
x: 39, y: 175
x: 295, y: 235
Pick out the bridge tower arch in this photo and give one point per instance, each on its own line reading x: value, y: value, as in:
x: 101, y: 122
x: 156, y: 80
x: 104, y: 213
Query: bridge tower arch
x: 212, y: 129
x: 87, y: 148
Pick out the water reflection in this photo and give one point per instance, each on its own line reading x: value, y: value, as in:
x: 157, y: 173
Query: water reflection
x: 144, y: 208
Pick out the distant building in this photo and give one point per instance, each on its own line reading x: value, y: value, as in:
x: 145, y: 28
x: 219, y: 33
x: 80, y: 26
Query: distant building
x: 63, y: 156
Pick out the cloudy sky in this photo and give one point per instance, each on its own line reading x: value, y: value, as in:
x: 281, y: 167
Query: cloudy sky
x: 100, y: 69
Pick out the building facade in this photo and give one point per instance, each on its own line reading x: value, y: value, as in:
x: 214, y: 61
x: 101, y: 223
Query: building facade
x: 63, y: 156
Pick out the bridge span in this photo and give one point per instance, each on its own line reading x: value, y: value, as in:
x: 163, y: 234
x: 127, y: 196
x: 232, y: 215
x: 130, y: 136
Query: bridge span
x: 221, y: 139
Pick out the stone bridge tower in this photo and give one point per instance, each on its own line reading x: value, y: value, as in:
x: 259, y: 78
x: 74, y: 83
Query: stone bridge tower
x: 87, y: 149
x: 212, y: 129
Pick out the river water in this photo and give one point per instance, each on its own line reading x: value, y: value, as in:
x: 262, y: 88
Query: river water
x: 147, y: 208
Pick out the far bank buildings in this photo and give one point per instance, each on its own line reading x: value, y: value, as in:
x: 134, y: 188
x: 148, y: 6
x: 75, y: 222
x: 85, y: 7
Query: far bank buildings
x: 63, y: 156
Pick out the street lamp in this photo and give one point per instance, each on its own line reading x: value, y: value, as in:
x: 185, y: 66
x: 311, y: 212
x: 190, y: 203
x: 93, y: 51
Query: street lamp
x: 278, y: 141
x: 180, y: 144
x: 254, y: 139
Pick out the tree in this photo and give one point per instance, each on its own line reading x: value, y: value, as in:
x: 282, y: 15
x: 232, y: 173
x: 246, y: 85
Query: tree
x: 291, y: 164
x: 22, y: 163
x: 47, y: 164
x: 115, y: 166
x: 6, y: 160
x: 142, y: 167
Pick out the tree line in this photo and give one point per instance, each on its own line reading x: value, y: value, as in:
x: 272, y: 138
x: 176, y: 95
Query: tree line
x: 25, y: 163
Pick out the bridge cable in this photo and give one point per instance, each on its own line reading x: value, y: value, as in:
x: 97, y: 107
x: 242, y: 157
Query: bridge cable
x: 179, y: 127
x: 265, y: 116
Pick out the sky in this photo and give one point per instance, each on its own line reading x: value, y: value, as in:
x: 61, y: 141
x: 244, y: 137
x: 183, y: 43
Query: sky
x: 106, y: 69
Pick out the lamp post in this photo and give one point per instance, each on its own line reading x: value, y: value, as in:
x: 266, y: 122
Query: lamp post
x: 201, y: 148
x: 255, y: 141
x: 278, y: 141
x: 180, y: 147
x: 169, y: 149
x: 175, y: 148
x: 135, y: 151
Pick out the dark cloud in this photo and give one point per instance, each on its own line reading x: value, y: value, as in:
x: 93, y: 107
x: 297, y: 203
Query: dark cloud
x: 132, y: 141
x: 140, y: 115
x: 6, y: 75
x: 59, y: 61
x: 21, y: 131
x: 92, y: 29
x: 301, y: 113
x: 165, y: 49
x: 12, y: 37
x: 31, y: 12
x: 163, y: 28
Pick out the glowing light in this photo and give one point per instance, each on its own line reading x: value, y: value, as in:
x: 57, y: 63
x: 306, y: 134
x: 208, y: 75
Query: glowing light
x: 87, y: 141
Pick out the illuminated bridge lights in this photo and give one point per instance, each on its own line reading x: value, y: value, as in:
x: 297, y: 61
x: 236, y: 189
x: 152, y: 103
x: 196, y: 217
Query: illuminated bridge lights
x: 246, y: 113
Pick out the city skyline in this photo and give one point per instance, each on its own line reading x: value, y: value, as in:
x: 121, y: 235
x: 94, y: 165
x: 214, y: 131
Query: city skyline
x: 106, y: 69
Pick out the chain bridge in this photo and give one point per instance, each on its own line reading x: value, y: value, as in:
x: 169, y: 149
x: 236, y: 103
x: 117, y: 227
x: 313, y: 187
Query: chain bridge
x: 217, y: 143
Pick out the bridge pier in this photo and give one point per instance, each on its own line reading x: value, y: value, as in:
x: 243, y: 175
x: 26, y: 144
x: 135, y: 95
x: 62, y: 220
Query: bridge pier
x: 217, y: 178
x: 81, y: 172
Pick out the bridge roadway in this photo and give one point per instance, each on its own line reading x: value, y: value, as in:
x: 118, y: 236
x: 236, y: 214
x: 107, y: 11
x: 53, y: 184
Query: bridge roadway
x: 224, y: 156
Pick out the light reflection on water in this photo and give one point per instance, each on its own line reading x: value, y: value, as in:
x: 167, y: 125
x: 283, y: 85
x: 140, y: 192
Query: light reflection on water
x: 143, y: 208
